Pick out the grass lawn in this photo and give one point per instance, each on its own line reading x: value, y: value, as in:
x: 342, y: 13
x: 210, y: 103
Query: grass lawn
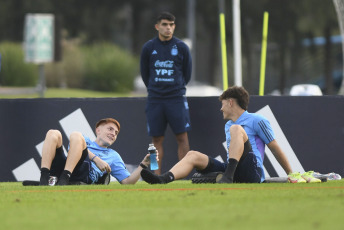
x: 62, y: 93
x: 178, y: 205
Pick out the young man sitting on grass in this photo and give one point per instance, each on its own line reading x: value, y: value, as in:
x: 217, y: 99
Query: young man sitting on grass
x: 87, y: 160
x: 246, y: 137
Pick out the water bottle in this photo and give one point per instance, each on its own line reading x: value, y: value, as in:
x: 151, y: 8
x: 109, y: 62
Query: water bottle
x: 153, y: 162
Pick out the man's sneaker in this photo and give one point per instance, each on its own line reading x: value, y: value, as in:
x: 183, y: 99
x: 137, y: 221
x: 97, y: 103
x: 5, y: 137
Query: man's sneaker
x: 308, y: 176
x: 295, y: 178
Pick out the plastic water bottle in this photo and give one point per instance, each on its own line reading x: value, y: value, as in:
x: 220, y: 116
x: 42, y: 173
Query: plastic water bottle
x: 153, y: 162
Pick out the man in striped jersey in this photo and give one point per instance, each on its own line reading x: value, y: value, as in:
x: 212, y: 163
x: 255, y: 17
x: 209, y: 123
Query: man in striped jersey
x: 246, y: 137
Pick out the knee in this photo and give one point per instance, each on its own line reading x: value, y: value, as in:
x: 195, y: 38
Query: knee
x: 76, y: 137
x: 77, y: 140
x: 54, y: 135
x: 238, y: 131
x: 192, y: 155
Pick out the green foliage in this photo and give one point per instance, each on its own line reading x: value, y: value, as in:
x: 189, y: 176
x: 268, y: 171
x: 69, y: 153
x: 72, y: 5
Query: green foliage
x: 14, y: 71
x: 68, y: 72
x: 67, y: 93
x: 129, y: 24
x: 101, y: 67
x: 109, y: 68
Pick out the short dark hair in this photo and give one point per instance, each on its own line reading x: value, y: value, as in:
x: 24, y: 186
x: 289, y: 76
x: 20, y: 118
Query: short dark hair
x: 238, y: 93
x: 166, y: 15
x: 109, y: 120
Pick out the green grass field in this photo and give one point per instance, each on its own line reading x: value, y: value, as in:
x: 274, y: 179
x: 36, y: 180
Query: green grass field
x: 178, y: 205
x: 62, y: 93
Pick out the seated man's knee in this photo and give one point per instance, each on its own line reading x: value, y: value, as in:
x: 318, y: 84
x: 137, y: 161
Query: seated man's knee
x: 54, y: 135
x: 192, y: 155
x: 76, y: 137
x: 238, y: 131
x: 197, y: 159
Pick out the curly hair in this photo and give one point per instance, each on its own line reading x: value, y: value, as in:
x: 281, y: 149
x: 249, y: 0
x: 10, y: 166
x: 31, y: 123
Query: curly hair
x: 238, y: 93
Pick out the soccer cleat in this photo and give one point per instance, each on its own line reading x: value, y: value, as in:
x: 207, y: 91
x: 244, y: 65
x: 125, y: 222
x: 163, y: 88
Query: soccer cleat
x: 308, y: 176
x: 201, y: 178
x: 64, y: 178
x: 295, y: 178
x: 62, y: 182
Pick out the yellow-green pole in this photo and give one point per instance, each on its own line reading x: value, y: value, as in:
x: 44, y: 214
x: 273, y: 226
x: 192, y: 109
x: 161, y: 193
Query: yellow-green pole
x: 223, y: 51
x: 263, y: 56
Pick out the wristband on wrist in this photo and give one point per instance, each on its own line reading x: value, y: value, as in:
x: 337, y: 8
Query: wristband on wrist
x: 143, y: 165
x: 93, y: 158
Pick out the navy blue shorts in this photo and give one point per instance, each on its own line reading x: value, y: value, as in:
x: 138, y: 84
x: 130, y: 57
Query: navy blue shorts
x: 247, y: 170
x: 81, y: 170
x: 174, y: 112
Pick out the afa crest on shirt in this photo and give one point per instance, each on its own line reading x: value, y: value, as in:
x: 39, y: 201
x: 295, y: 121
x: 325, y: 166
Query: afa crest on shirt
x: 174, y: 51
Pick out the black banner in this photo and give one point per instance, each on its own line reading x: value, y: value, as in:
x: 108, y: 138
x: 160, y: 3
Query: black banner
x: 309, y: 129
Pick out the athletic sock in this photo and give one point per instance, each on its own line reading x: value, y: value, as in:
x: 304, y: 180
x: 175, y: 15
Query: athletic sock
x: 45, y: 174
x: 150, y: 177
x: 167, y: 177
x: 64, y: 178
x: 230, y: 170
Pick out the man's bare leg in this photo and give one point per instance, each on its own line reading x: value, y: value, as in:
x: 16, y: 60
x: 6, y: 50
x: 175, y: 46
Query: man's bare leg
x: 183, y: 145
x: 158, y: 143
x: 52, y: 141
x: 235, y: 151
x: 77, y: 145
x: 193, y: 159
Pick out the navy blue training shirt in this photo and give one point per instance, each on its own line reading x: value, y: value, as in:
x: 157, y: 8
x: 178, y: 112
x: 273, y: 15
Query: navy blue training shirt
x: 165, y: 67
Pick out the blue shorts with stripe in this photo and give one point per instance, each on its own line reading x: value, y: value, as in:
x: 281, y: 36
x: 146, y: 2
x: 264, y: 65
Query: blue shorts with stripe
x: 161, y: 112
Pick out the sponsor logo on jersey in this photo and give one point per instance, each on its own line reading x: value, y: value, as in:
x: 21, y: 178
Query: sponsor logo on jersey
x: 164, y: 64
x: 163, y: 68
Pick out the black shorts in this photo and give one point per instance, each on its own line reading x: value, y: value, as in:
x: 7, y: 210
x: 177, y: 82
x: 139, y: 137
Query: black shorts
x: 81, y: 170
x: 247, y: 171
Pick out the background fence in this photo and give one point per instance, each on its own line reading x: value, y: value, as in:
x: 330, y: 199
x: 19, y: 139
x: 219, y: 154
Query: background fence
x: 310, y: 130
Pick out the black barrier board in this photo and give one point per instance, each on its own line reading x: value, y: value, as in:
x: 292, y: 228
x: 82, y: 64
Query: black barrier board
x: 312, y: 130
